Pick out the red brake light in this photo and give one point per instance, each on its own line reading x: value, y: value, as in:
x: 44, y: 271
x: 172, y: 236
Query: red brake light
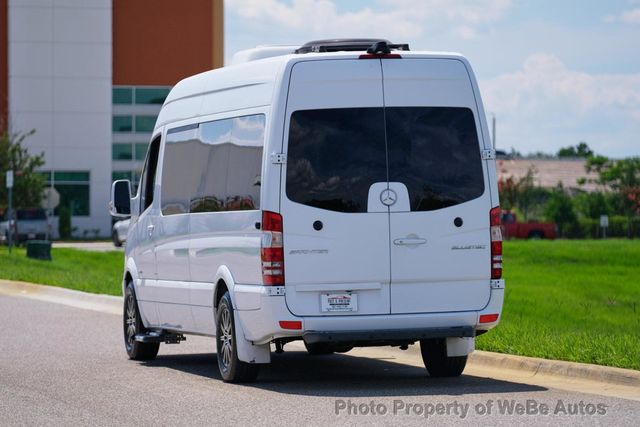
x: 272, y: 251
x: 380, y: 56
x: 496, y: 243
x: 488, y: 318
x: 290, y: 324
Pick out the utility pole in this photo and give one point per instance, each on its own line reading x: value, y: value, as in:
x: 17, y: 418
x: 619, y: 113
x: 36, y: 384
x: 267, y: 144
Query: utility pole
x: 493, y: 132
x: 9, y: 183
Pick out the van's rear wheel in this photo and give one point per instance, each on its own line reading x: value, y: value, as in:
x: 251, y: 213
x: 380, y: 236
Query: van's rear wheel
x: 232, y: 369
x: 434, y: 356
x: 132, y: 324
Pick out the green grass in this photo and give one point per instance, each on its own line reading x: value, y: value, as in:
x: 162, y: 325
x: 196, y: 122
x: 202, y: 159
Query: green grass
x: 97, y: 272
x: 571, y: 300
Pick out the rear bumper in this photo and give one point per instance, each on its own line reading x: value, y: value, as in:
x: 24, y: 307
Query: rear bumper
x: 260, y: 314
x: 387, y: 336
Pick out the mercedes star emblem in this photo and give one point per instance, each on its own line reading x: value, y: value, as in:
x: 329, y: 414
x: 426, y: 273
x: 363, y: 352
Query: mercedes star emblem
x: 388, y: 197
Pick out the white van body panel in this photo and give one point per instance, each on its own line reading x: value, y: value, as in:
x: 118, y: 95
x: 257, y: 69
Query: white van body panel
x: 178, y: 268
x: 448, y: 272
x: 352, y: 250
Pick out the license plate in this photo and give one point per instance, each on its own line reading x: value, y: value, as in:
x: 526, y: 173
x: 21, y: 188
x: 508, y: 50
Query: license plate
x: 339, y: 302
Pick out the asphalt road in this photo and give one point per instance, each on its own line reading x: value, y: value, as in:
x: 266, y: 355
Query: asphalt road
x: 66, y: 366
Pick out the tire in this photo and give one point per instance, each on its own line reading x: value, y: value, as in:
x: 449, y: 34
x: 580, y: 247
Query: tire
x: 132, y: 325
x: 116, y: 241
x: 536, y: 235
x: 319, y: 349
x: 232, y: 369
x: 438, y: 364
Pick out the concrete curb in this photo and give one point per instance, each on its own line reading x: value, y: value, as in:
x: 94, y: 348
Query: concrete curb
x: 558, y: 368
x: 103, y: 303
x: 522, y: 365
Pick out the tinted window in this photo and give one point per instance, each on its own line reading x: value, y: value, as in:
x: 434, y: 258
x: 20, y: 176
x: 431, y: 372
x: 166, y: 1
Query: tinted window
x: 149, y: 176
x: 145, y: 123
x: 224, y: 162
x: 122, y: 95
x: 31, y: 214
x: 434, y: 151
x: 178, y: 169
x: 121, y: 151
x: 151, y: 95
x: 334, y: 156
x: 122, y: 124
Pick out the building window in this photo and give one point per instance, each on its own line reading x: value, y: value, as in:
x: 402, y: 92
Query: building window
x: 122, y: 124
x: 151, y: 95
x: 141, y: 151
x: 122, y: 151
x: 122, y: 95
x: 133, y: 176
x: 74, y: 190
x: 145, y: 124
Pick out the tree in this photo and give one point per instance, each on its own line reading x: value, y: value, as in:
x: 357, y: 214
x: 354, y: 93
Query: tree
x: 559, y: 209
x: 580, y: 150
x: 28, y: 184
x: 623, y: 177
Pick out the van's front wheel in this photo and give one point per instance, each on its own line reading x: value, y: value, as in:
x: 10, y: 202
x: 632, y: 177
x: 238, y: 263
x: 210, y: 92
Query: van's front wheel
x: 132, y: 325
x: 434, y: 356
x: 232, y: 369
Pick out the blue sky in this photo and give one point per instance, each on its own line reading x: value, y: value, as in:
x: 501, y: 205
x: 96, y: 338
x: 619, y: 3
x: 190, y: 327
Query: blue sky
x: 553, y: 72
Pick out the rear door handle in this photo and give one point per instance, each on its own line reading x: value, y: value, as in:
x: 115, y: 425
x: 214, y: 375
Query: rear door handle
x: 150, y: 229
x: 409, y: 241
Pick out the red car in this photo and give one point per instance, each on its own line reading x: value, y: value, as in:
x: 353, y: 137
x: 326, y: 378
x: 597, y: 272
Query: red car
x: 511, y: 228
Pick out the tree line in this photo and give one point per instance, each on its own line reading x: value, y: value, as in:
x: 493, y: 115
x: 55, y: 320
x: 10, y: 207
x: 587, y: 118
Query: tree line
x: 577, y: 212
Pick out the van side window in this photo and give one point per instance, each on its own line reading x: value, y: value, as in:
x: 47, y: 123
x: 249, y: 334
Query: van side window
x: 178, y: 174
x: 214, y: 167
x: 148, y: 179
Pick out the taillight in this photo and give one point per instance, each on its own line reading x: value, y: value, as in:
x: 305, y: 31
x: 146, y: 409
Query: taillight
x: 496, y: 243
x: 380, y: 56
x: 272, y: 251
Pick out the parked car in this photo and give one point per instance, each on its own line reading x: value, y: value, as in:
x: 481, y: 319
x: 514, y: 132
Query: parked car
x: 27, y: 224
x: 511, y: 228
x: 344, y: 195
x: 119, y: 232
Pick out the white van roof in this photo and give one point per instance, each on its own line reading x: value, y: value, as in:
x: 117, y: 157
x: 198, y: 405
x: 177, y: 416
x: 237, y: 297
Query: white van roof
x: 250, y: 83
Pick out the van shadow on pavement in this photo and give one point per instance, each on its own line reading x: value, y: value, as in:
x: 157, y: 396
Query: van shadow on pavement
x: 342, y: 375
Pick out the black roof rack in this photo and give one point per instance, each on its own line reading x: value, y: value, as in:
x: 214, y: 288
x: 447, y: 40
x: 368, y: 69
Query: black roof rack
x: 349, y: 45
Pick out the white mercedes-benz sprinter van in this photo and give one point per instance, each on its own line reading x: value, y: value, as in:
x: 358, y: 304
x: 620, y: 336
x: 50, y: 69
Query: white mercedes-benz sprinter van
x: 343, y: 193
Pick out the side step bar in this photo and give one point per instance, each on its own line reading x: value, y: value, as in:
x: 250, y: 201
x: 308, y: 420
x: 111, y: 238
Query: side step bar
x: 160, y: 336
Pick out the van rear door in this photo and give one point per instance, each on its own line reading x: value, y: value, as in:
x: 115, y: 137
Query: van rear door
x: 336, y: 237
x: 439, y: 226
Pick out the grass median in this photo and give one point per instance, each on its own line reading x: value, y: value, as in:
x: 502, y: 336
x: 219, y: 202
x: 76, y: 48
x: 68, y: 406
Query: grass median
x: 568, y: 300
x: 96, y: 272
x: 576, y: 300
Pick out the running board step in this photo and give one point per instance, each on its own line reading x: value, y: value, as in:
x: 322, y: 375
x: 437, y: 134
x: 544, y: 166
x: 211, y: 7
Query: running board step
x: 155, y: 336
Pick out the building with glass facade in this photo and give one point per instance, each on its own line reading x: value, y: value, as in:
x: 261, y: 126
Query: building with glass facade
x: 90, y: 77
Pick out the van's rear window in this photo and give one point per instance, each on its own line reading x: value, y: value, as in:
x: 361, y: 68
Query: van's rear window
x: 334, y: 155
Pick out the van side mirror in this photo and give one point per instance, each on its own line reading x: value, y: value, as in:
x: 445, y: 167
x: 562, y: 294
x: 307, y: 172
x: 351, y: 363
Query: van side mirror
x: 120, y: 204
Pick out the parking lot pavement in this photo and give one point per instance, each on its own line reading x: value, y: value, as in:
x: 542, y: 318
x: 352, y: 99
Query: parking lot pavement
x: 66, y: 366
x: 88, y: 246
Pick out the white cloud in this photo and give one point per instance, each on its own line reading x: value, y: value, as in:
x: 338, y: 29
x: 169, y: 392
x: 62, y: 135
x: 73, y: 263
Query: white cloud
x: 628, y: 17
x: 398, y: 19
x: 544, y: 103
